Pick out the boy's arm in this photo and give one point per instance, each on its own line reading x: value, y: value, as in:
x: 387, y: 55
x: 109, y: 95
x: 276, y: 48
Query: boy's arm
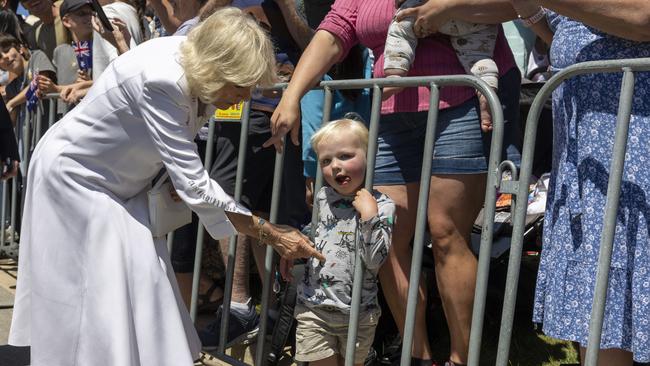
x: 18, y: 100
x: 376, y: 233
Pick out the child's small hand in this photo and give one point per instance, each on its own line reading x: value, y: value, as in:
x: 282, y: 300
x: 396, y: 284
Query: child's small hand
x: 365, y: 204
x: 286, y: 265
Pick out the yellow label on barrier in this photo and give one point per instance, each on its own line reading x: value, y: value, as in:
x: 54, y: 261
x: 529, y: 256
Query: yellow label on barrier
x: 234, y: 112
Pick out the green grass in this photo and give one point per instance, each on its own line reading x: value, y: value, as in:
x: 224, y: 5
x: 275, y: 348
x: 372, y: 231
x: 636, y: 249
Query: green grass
x: 528, y: 347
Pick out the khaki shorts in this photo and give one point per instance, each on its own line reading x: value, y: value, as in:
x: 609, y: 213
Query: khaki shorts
x: 323, y: 332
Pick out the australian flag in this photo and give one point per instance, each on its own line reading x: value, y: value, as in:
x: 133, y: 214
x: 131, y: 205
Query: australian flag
x: 32, y: 93
x: 82, y: 50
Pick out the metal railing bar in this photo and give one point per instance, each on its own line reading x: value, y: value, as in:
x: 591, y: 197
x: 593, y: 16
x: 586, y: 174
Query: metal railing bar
x: 14, y: 208
x: 268, y: 263
x: 318, y: 182
x: 39, y: 122
x: 52, y: 114
x: 489, y: 209
x: 3, y: 213
x: 609, y: 222
x: 170, y: 242
x: 200, y: 232
x: 359, y: 267
x: 232, y: 244
x: 420, y: 225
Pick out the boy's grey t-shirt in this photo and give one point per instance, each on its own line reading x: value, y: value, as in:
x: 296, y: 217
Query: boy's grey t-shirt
x: 66, y: 65
x: 329, y: 284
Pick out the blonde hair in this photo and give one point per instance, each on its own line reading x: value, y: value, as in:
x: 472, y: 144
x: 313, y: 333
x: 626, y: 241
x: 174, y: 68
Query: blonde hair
x: 227, y: 48
x: 338, y: 127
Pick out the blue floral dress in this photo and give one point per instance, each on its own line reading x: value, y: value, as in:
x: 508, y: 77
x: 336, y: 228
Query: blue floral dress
x: 584, y: 111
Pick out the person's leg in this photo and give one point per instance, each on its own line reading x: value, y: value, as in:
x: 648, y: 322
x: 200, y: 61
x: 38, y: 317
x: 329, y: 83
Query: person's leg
x: 610, y: 357
x: 394, y: 274
x: 454, y: 203
x: 329, y: 361
x: 474, y: 44
x: 240, y: 283
x: 399, y: 51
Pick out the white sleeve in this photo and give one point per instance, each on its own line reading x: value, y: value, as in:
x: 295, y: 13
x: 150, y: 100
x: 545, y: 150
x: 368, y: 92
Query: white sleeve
x: 168, y: 124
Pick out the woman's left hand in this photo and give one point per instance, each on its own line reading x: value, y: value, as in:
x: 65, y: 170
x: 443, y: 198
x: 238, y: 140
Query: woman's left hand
x: 292, y: 244
x: 429, y: 17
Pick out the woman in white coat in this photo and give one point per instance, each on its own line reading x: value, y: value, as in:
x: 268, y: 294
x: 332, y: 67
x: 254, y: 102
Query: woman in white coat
x: 94, y: 287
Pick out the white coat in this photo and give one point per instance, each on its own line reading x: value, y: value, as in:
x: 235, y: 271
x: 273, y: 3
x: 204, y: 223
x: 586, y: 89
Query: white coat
x: 94, y: 287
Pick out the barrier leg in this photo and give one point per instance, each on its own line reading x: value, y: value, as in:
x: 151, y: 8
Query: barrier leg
x: 232, y: 244
x: 260, y: 357
x: 609, y: 222
x: 200, y: 233
x: 420, y: 226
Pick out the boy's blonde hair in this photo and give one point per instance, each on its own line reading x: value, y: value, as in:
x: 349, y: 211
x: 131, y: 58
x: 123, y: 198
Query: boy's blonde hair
x: 227, y: 48
x: 341, y: 126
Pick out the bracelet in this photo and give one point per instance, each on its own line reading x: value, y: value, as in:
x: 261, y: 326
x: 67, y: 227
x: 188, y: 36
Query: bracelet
x: 262, y: 235
x: 533, y: 19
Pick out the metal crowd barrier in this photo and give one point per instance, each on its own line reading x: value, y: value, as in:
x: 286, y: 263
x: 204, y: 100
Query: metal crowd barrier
x: 434, y: 83
x: 35, y: 120
x: 519, y: 189
x: 30, y: 120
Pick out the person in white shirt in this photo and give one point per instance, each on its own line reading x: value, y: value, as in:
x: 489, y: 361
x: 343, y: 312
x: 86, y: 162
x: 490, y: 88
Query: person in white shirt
x: 94, y: 286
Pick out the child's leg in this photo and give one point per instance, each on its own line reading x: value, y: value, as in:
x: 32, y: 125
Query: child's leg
x: 365, y: 336
x: 399, y: 50
x: 330, y: 361
x: 400, y: 44
x: 316, y: 340
x: 474, y: 45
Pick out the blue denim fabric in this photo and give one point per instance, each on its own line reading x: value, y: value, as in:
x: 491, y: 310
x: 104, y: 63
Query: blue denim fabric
x: 461, y: 147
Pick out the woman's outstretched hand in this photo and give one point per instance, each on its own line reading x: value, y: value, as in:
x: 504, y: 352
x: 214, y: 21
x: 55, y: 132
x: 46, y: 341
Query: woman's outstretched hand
x: 285, y: 119
x: 292, y: 244
x: 429, y: 17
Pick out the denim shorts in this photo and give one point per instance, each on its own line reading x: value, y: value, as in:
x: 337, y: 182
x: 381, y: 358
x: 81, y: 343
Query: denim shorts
x: 460, y: 147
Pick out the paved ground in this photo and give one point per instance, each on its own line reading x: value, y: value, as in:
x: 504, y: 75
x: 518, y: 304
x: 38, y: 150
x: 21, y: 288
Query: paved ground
x: 19, y: 356
x: 9, y: 356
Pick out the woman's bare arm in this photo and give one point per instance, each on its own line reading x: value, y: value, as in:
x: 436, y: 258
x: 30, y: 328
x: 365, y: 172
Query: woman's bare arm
x: 288, y: 241
x: 434, y: 13
x: 628, y: 19
x: 623, y: 18
x: 323, y: 51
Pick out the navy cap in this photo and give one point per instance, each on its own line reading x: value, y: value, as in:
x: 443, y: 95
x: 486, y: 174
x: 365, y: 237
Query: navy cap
x: 71, y: 5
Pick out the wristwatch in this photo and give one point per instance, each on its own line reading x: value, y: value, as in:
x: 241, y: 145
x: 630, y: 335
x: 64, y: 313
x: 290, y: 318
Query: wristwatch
x: 528, y: 22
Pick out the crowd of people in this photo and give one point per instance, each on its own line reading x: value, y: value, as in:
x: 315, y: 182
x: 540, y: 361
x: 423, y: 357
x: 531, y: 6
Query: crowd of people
x: 96, y: 287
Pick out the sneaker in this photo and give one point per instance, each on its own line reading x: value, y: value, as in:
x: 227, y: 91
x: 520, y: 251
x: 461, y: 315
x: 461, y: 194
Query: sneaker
x: 242, y: 328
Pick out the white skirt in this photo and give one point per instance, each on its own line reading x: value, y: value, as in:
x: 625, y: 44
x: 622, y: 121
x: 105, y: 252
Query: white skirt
x: 94, y: 287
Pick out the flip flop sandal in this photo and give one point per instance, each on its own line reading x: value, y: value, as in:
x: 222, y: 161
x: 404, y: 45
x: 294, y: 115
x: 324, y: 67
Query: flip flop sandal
x: 206, y: 305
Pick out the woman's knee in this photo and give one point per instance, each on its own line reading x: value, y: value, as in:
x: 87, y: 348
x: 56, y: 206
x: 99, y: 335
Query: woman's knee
x: 445, y: 235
